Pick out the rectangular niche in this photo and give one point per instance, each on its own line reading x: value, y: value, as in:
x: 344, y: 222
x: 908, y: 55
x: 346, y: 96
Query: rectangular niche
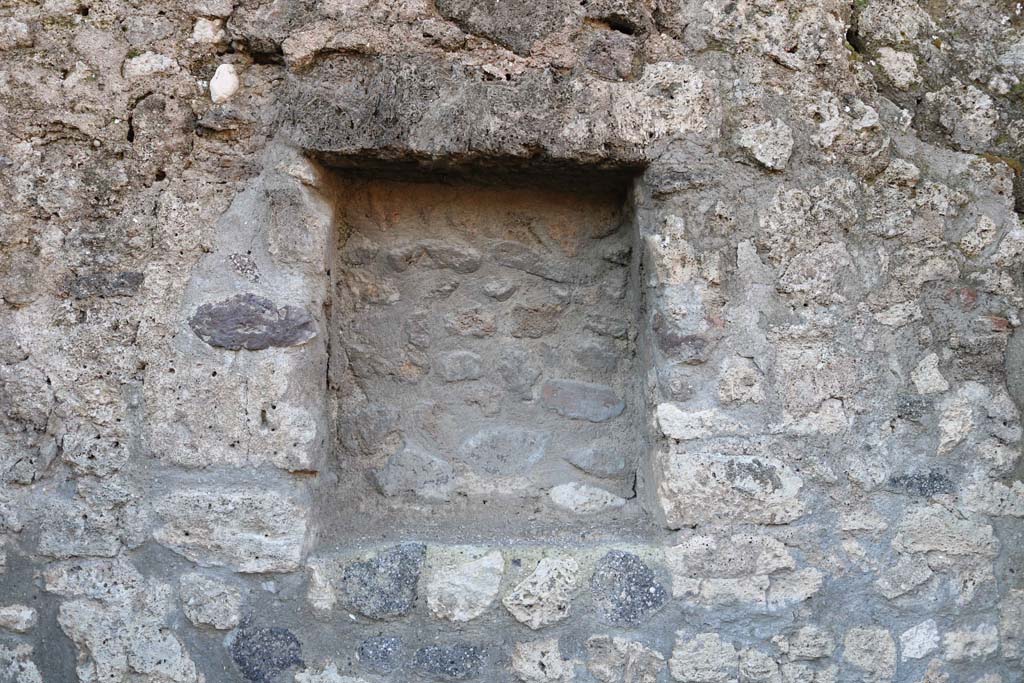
x: 484, y: 365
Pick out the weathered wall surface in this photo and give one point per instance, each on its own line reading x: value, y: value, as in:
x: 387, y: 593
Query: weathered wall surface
x: 825, y: 257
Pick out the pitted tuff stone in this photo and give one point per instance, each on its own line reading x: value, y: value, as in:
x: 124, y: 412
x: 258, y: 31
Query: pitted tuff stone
x: 385, y: 587
x: 456, y: 662
x: 541, y: 661
x: 536, y: 321
x: 625, y: 589
x: 703, y: 658
x: 616, y: 660
x: 471, y: 322
x: 261, y: 653
x: 581, y: 400
x: 253, y: 323
x: 210, y: 602
x: 544, y: 596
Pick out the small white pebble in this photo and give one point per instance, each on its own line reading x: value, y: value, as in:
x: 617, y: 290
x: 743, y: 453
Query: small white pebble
x: 224, y: 83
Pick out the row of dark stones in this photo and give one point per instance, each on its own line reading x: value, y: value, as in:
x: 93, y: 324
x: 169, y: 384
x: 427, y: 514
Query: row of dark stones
x: 624, y: 589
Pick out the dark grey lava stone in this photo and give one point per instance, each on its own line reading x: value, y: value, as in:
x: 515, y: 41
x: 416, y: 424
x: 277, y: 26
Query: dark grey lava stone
x: 380, y: 653
x: 450, y: 662
x: 625, y: 590
x: 385, y: 587
x: 261, y: 652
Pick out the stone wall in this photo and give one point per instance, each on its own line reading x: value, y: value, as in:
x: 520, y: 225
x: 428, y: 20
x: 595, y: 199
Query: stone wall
x: 377, y: 341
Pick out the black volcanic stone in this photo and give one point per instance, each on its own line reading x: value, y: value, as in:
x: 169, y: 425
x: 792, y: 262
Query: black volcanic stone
x: 250, y: 322
x: 103, y: 284
x: 927, y: 483
x: 625, y: 590
x: 385, y: 587
x: 261, y: 653
x: 449, y: 662
x: 380, y: 653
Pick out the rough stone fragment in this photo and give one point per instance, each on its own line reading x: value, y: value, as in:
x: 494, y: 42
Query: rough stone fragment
x: 320, y: 593
x: 414, y: 471
x: 380, y: 653
x: 544, y: 596
x: 811, y: 642
x: 503, y: 450
x: 541, y: 660
x: 900, y: 67
x: 17, y: 618
x: 148, y: 64
x: 450, y: 662
x: 715, y: 572
x: 253, y: 323
x: 686, y: 425
x: 740, y: 381
x: 535, y: 321
x: 471, y: 322
x: 907, y: 574
x: 975, y: 643
x: 617, y: 328
x: 703, y: 484
x: 758, y: 667
x: 16, y: 665
x: 927, y: 529
x: 119, y: 622
x: 103, y: 284
x: 500, y: 290
x: 926, y: 376
x: 263, y: 652
x: 703, y: 658
x: 583, y: 499
x: 919, y: 641
x: 329, y: 674
x: 616, y: 660
x: 599, y: 459
x: 625, y: 590
x: 460, y: 366
x: 209, y: 602
x: 1011, y: 623
x: 996, y: 498
x: 245, y: 529
x: 581, y: 400
x: 873, y: 651
x: 224, y: 84
x: 385, y: 586
x: 461, y: 588
x: 208, y: 31
x: 789, y: 589
x: 14, y: 34
x: 520, y: 372
x: 520, y: 257
x: 769, y: 143
x: 459, y: 258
